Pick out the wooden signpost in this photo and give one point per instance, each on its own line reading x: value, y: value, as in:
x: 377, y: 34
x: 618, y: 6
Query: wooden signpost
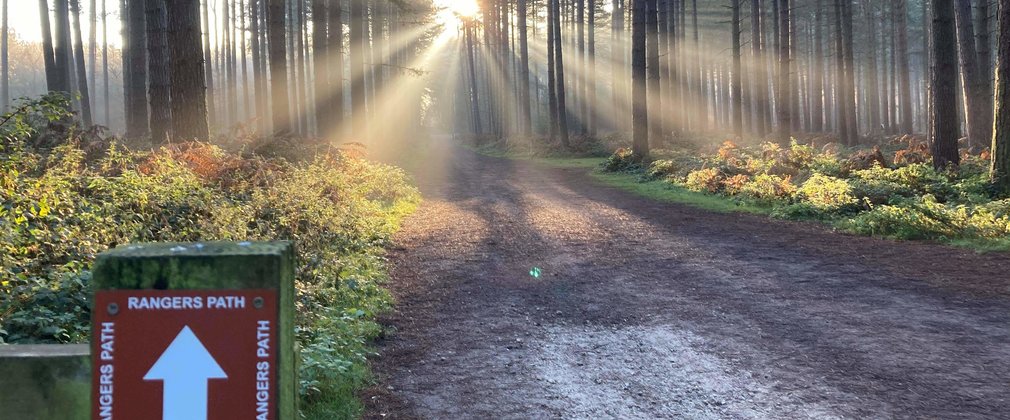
x: 194, y: 332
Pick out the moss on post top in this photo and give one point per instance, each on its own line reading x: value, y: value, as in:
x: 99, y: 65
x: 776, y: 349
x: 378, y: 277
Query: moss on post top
x: 211, y: 265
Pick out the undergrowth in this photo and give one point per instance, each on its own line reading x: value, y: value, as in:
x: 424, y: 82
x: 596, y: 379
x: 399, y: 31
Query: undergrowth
x: 67, y: 195
x: 889, y: 190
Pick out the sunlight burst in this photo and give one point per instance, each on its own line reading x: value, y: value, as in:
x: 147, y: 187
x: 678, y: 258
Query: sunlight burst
x: 450, y: 10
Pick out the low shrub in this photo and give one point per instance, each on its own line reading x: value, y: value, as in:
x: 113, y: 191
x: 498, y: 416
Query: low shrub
x: 769, y: 188
x: 623, y: 160
x: 708, y: 180
x: 827, y: 193
x: 854, y: 189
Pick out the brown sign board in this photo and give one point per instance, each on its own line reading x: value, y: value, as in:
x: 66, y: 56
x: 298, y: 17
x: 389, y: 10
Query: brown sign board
x: 185, y: 354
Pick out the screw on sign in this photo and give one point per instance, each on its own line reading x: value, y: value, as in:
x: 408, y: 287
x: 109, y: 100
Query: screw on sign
x: 185, y: 355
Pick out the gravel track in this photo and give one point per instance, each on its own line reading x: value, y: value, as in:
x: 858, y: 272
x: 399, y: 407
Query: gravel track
x: 653, y: 310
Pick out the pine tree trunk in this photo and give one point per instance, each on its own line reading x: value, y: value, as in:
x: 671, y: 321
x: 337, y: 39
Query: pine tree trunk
x: 297, y: 24
x: 1000, y: 170
x: 374, y: 57
x: 618, y: 74
x: 135, y: 47
x: 188, y: 91
x: 552, y: 88
x: 320, y: 57
x: 525, y: 117
x: 817, y: 84
x: 158, y: 71
x: 474, y: 88
x: 591, y: 94
x: 784, y: 93
x: 208, y: 65
x: 62, y: 51
x: 560, y: 74
x: 357, y: 47
x: 984, y: 49
x: 943, y: 118
x: 927, y: 67
x: 259, y: 84
x: 840, y: 107
x: 335, y: 50
x: 654, y: 97
x: 278, y: 67
x: 92, y: 50
x: 873, y: 104
x: 5, y: 90
x: 227, y: 55
x: 105, y: 65
x: 82, y: 72
x: 736, y: 90
x: 852, y: 113
x: 903, y: 68
x: 640, y: 106
x: 974, y: 81
x: 242, y: 28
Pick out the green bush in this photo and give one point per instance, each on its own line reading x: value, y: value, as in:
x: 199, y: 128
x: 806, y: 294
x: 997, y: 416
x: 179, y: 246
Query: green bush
x: 708, y: 180
x: 769, y: 188
x: 854, y: 189
x: 827, y: 193
x: 60, y: 205
x: 623, y: 160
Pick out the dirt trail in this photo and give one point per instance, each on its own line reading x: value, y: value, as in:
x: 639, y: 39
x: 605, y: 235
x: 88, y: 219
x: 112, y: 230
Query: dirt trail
x: 650, y: 310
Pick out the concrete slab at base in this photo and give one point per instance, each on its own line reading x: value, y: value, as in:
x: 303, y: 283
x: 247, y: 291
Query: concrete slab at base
x: 45, y: 382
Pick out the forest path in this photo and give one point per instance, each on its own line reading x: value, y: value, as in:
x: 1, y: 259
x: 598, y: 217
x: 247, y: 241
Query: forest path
x: 652, y: 310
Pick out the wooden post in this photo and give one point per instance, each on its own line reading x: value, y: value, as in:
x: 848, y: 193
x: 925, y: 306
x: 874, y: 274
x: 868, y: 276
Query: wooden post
x: 194, y: 331
x: 44, y: 382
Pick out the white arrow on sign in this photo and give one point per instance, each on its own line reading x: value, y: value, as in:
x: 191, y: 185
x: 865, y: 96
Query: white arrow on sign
x: 185, y: 367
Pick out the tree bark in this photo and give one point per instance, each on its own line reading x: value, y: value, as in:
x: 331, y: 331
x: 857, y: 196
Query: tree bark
x: 873, y: 71
x: 92, y: 50
x: 525, y: 118
x: 320, y: 58
x: 278, y: 67
x: 784, y: 92
x: 82, y: 72
x: 654, y: 97
x: 52, y: 78
x: 188, y: 92
x: 618, y: 73
x: 560, y: 74
x: 943, y: 116
x: 297, y: 25
x: 1000, y: 169
x: 5, y: 90
x: 335, y: 50
x: 105, y: 65
x: 259, y: 76
x: 552, y: 87
x: 62, y: 50
x: 158, y: 71
x: 135, y: 48
x: 984, y: 48
x: 817, y: 84
x: 640, y: 106
x: 736, y: 89
x: 973, y: 80
x: 903, y: 68
x: 208, y: 65
x: 591, y: 94
x: 357, y: 47
x: 852, y: 112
